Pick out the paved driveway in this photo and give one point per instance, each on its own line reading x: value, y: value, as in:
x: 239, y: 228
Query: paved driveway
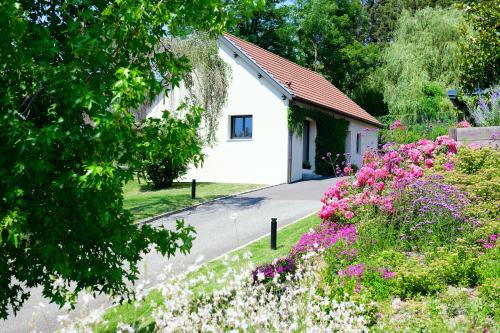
x: 216, y: 235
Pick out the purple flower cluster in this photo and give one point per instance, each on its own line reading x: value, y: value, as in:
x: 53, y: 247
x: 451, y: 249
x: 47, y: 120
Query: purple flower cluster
x: 354, y: 271
x: 489, y: 242
x: 487, y: 110
x: 325, y: 236
x: 357, y: 271
x: 282, y: 266
x: 428, y: 201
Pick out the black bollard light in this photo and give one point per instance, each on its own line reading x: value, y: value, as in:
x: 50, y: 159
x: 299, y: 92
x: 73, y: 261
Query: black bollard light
x: 193, y: 189
x: 274, y: 231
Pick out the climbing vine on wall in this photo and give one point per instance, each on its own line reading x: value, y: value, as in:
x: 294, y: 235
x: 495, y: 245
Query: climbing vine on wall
x: 331, y: 134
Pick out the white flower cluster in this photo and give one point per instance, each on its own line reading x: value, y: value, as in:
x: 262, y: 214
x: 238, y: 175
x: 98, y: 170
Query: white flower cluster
x: 241, y: 306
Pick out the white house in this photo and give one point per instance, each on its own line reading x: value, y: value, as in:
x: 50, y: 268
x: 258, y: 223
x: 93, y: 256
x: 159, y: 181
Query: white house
x: 254, y: 142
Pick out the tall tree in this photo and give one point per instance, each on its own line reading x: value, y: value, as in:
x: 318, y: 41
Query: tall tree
x: 70, y: 71
x: 480, y: 60
x: 369, y: 94
x: 333, y: 37
x: 424, y: 55
x: 383, y: 15
x: 273, y: 28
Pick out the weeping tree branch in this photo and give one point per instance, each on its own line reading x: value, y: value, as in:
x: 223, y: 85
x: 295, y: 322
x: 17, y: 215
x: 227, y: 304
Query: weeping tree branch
x: 206, y: 84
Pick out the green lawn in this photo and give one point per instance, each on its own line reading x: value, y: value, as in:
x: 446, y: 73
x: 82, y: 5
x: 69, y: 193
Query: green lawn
x: 261, y: 250
x: 143, y: 201
x: 139, y: 316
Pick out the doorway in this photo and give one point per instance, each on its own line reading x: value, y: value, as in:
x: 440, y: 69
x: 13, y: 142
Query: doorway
x: 306, y: 137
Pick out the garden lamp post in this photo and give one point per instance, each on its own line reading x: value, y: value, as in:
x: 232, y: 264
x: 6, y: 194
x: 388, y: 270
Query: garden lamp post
x: 274, y: 231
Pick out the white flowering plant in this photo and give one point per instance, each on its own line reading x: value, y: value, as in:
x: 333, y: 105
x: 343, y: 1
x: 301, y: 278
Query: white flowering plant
x: 298, y: 303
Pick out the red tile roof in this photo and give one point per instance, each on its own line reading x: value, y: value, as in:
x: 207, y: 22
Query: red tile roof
x: 305, y: 85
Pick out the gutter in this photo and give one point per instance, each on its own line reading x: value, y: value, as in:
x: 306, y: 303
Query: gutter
x: 305, y: 101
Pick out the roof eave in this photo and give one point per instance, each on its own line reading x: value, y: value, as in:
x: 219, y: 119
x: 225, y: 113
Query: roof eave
x: 326, y: 108
x: 235, y: 48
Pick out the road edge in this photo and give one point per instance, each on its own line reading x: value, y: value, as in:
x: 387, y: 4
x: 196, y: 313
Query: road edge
x: 180, y: 210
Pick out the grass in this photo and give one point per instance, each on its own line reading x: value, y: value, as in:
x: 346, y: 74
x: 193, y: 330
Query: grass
x: 260, y: 250
x: 139, y: 316
x: 144, y: 201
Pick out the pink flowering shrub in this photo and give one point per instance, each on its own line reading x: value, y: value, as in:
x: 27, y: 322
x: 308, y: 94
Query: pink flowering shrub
x: 325, y: 236
x: 381, y: 174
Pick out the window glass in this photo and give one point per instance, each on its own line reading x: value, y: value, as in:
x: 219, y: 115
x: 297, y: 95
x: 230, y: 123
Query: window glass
x: 237, y: 127
x: 241, y: 127
x: 248, y: 127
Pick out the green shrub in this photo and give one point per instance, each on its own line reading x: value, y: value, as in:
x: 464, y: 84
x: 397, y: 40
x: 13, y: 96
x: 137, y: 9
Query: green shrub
x: 489, y: 292
x: 456, y: 266
x: 433, y: 272
x: 375, y: 233
x: 454, y: 310
x: 413, y: 132
x: 375, y: 286
x: 489, y: 265
x: 414, y: 278
x: 410, y: 275
x: 476, y: 172
x: 489, y: 279
x: 172, y: 144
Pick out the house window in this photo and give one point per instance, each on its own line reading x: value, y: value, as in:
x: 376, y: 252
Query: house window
x: 241, y: 127
x: 358, y: 143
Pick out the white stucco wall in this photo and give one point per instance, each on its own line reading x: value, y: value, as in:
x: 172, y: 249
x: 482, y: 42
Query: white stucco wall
x: 368, y: 140
x: 263, y: 159
x: 259, y: 160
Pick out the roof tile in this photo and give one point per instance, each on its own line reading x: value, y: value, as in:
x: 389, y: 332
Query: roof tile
x: 305, y: 84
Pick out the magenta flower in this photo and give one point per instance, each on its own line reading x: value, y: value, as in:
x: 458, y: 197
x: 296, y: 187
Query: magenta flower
x: 463, y: 124
x: 325, y: 236
x: 387, y: 274
x: 397, y: 125
x: 354, y: 271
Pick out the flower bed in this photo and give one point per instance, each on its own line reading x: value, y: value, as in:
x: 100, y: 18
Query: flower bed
x: 408, y: 244
x: 407, y: 228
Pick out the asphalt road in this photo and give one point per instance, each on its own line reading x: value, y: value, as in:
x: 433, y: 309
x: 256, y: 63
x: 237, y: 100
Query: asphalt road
x: 216, y: 235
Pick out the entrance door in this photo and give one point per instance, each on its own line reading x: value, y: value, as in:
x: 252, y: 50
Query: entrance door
x: 305, y: 143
